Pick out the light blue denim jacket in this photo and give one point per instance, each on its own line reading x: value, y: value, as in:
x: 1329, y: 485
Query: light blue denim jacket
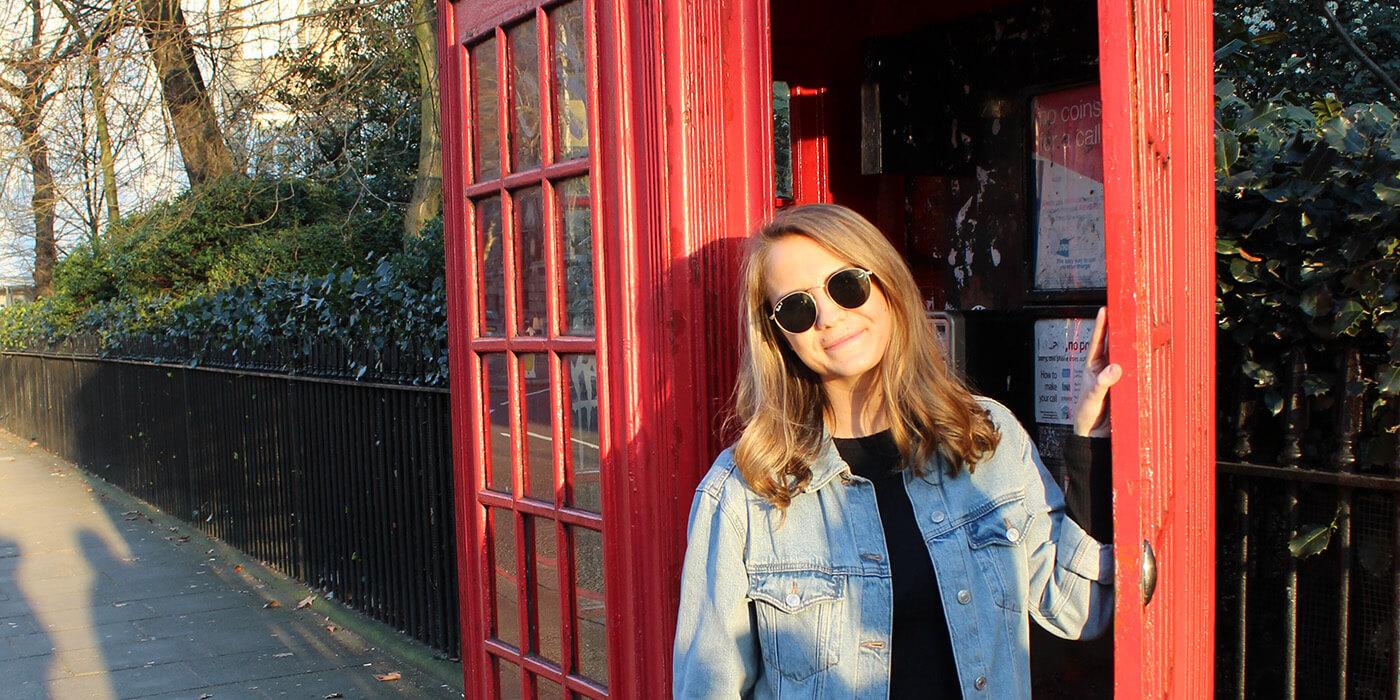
x: 804, y: 609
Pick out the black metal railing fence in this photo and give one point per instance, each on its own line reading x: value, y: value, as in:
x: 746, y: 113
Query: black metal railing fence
x: 337, y: 476
x: 1308, y: 534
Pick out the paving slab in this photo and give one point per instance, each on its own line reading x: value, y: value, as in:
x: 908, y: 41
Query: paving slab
x: 104, y: 596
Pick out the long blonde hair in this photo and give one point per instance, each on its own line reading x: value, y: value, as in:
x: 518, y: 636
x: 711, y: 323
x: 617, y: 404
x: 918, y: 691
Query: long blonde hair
x: 780, y: 402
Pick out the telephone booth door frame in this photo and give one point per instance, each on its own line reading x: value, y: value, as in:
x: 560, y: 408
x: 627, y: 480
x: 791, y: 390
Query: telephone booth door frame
x: 680, y: 167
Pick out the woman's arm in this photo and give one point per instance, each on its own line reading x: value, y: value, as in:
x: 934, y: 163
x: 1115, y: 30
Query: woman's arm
x: 1070, y: 573
x: 716, y: 651
x: 1088, y: 462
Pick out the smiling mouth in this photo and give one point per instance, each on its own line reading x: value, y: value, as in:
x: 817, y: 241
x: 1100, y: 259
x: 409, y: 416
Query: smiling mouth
x: 844, y: 340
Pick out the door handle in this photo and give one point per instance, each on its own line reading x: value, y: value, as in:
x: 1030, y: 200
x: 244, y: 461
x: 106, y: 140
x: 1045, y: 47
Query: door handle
x: 1149, y: 573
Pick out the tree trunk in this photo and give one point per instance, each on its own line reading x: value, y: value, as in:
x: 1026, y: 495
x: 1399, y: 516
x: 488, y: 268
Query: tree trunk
x: 427, y: 186
x: 107, y: 158
x: 28, y: 116
x: 192, y: 117
x: 42, y: 198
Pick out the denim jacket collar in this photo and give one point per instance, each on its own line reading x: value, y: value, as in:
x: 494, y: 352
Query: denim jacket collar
x: 828, y: 464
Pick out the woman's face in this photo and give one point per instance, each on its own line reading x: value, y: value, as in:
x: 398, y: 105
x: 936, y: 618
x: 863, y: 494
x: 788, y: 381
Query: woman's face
x: 843, y: 344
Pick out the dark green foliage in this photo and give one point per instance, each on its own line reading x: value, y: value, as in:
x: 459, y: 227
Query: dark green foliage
x: 255, y: 268
x: 1308, y: 213
x: 231, y: 233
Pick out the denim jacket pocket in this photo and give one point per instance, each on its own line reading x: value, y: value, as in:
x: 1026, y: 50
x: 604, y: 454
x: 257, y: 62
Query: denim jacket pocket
x: 997, y: 539
x: 800, y: 615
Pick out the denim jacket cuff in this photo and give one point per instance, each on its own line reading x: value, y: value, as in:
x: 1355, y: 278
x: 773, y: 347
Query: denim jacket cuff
x: 1086, y: 557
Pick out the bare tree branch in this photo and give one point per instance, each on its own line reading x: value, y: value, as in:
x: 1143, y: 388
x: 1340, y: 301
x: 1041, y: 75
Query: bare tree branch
x: 1365, y: 58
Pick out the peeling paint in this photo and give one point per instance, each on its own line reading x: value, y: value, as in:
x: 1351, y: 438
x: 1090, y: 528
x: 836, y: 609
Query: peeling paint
x: 996, y: 126
x: 961, y: 218
x: 996, y: 257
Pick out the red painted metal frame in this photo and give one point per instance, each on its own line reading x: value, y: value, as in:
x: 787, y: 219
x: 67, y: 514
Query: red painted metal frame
x: 811, y: 169
x: 1156, y: 81
x: 686, y: 158
x: 460, y: 26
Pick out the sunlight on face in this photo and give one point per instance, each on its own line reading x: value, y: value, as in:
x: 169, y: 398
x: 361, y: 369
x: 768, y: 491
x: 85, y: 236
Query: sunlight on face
x: 844, y: 344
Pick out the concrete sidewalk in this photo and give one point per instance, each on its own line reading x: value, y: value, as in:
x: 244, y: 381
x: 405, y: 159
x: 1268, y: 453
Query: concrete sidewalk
x: 102, y: 596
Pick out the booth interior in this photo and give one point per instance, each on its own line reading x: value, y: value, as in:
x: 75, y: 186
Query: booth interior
x: 969, y: 134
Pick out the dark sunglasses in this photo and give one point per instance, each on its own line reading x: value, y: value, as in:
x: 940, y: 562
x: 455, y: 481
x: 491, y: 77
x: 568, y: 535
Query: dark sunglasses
x: 796, y: 312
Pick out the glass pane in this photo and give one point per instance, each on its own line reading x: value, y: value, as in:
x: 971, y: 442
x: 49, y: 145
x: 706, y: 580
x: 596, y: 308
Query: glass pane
x: 590, y: 619
x: 583, y: 432
x: 493, y: 281
x: 487, y: 141
x: 510, y: 676
x: 782, y: 140
x: 577, y: 229
x: 570, y: 82
x: 503, y: 559
x: 525, y: 96
x: 539, y: 436
x: 546, y: 593
x: 529, y: 253
x: 498, y: 420
x: 548, y: 689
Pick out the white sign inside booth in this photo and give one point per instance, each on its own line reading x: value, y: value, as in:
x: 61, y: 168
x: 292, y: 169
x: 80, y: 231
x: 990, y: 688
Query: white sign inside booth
x: 1061, y: 345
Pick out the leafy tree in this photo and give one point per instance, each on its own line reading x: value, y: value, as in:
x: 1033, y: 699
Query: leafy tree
x: 1270, y: 47
x: 1308, y: 210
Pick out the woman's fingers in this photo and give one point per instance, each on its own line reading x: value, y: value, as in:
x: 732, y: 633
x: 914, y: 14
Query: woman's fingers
x: 1098, y: 350
x: 1108, y: 377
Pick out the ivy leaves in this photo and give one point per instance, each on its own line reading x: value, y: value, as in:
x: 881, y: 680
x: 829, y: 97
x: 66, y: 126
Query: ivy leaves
x: 1308, y: 210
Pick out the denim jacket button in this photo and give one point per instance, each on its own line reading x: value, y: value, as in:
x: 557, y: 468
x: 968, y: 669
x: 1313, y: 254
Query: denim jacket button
x: 793, y: 600
x: 980, y: 683
x: 1013, y: 535
x: 938, y: 516
x: 964, y: 596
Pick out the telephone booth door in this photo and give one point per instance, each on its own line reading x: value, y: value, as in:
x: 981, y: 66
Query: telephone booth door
x: 530, y: 423
x: 603, y: 160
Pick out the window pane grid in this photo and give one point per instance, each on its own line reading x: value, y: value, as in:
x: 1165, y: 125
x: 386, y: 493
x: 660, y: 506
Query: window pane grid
x: 521, y: 182
x: 509, y: 660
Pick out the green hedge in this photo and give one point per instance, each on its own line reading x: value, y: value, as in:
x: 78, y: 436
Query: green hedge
x: 247, y: 266
x: 1308, y: 244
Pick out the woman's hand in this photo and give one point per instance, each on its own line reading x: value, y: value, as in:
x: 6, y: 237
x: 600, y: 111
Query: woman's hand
x: 1097, y: 377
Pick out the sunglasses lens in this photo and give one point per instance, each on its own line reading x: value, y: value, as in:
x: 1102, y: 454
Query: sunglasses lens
x: 849, y: 288
x: 796, y: 312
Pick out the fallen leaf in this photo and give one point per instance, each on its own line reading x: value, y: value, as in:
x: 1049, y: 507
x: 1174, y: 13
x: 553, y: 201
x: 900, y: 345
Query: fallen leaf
x: 283, y: 655
x: 272, y: 604
x: 33, y: 443
x: 330, y: 628
x: 306, y: 602
x: 334, y: 695
x: 386, y: 677
x: 237, y: 568
x: 205, y: 696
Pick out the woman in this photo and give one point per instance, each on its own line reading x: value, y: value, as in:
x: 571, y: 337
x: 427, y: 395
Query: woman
x: 876, y: 530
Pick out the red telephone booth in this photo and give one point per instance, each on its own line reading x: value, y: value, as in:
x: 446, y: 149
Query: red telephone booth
x: 604, y: 159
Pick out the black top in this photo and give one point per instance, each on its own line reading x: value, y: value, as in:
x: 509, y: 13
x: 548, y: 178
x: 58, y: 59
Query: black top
x: 921, y: 654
